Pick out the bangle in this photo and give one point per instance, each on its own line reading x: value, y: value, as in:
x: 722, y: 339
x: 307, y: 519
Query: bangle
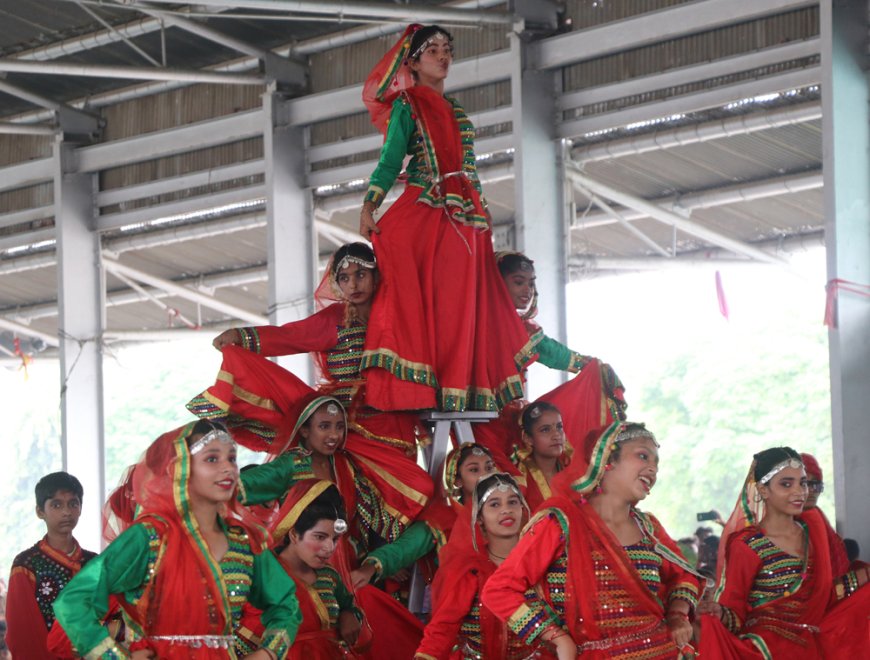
x: 556, y: 630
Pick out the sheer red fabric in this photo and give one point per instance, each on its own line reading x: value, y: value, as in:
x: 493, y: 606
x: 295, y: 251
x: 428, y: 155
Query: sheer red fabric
x: 389, y: 78
x: 158, y: 486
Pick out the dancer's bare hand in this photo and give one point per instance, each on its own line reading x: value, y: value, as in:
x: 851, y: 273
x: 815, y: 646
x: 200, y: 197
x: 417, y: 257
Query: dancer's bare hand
x: 709, y: 607
x: 362, y: 576
x: 367, y: 223
x: 143, y: 654
x: 231, y: 337
x: 348, y: 627
x: 566, y: 647
x: 681, y: 630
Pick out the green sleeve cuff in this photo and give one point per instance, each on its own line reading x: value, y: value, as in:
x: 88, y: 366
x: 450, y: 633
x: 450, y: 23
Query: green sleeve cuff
x: 250, y: 339
x: 276, y: 641
x: 375, y: 195
x: 528, y: 623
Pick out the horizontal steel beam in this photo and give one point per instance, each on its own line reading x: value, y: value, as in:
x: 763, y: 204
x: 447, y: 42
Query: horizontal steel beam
x: 690, y: 74
x: 350, y: 10
x: 362, y: 170
x: 22, y: 329
x: 580, y: 264
x: 353, y: 201
x: 695, y: 133
x: 27, y: 174
x: 586, y: 182
x: 200, y: 135
x: 11, y: 128
x: 469, y: 72
x: 179, y: 207
x: 128, y: 72
x: 180, y: 182
x: 181, y: 291
x: 741, y: 192
x: 688, y: 103
x: 26, y: 215
x: 374, y: 141
x: 655, y: 27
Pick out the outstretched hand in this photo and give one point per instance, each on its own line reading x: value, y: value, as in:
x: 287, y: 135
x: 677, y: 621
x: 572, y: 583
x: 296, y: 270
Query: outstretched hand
x: 227, y: 338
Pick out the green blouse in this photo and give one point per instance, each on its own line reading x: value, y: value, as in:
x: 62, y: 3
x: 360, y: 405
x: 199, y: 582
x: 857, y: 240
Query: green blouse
x: 414, y: 543
x: 403, y: 138
x: 127, y: 566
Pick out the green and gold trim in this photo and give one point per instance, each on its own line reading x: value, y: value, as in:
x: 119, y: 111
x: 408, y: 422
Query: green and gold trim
x: 289, y: 520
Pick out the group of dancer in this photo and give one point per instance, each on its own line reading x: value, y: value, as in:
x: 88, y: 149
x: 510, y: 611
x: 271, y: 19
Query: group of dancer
x: 531, y: 542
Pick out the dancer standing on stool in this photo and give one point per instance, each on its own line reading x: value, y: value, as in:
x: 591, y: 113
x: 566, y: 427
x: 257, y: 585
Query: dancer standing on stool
x: 442, y: 329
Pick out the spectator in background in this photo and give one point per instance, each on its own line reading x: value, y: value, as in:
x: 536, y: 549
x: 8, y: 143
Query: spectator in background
x: 815, y: 487
x: 707, y: 552
x: 39, y: 573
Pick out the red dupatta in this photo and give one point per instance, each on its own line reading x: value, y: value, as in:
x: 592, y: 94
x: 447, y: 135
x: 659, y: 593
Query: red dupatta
x: 185, y: 571
x: 460, y: 561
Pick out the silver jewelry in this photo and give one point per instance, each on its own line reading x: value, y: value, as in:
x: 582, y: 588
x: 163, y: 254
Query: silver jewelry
x: 347, y: 260
x: 215, y: 434
x: 535, y: 412
x: 339, y: 526
x: 427, y: 43
x: 625, y: 436
x: 332, y: 409
x: 779, y: 467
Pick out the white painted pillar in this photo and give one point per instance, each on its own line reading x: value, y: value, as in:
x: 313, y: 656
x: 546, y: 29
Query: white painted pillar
x: 846, y: 170
x: 81, y: 320
x: 289, y: 213
x: 541, y: 220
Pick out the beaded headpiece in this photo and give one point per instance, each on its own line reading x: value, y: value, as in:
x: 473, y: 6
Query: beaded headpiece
x: 502, y: 483
x: 779, y: 467
x: 602, y: 448
x: 435, y: 37
x: 219, y: 434
x: 451, y: 465
x: 348, y: 259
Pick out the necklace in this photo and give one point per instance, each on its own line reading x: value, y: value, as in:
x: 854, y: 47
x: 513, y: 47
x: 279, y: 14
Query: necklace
x: 492, y: 554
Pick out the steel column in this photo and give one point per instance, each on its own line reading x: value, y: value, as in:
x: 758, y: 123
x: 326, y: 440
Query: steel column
x: 846, y: 168
x: 81, y: 320
x: 292, y: 242
x: 540, y: 216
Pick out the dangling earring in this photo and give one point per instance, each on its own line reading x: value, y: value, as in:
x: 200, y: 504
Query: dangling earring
x: 758, y: 497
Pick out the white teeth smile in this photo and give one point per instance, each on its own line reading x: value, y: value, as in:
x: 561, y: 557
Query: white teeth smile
x: 646, y: 482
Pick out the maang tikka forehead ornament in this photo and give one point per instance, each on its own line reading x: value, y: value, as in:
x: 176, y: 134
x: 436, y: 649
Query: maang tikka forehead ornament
x: 348, y: 259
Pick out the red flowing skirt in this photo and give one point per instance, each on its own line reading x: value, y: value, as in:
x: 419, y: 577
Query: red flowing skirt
x: 443, y: 330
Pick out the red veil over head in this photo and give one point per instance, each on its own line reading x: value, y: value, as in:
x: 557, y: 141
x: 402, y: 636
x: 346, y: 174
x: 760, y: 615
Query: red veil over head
x: 389, y: 78
x: 466, y: 557
x: 156, y: 490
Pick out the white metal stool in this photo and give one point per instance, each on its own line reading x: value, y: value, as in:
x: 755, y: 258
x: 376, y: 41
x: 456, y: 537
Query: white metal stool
x: 441, y: 423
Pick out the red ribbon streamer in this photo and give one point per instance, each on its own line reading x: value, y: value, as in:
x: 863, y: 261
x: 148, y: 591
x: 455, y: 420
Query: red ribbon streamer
x: 833, y: 288
x: 720, y: 295
x: 25, y: 358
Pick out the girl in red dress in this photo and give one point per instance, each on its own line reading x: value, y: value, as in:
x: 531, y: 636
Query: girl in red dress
x: 442, y: 329
x: 779, y: 595
x: 256, y: 395
x: 487, y: 530
x: 592, y: 574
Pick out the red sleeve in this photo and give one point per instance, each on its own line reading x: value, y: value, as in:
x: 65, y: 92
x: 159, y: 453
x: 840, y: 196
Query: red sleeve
x: 25, y: 628
x: 315, y: 333
x: 741, y: 567
x: 526, y: 566
x: 453, y: 600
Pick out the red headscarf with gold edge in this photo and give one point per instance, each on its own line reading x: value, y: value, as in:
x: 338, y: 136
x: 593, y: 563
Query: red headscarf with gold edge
x: 185, y: 573
x: 390, y: 76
